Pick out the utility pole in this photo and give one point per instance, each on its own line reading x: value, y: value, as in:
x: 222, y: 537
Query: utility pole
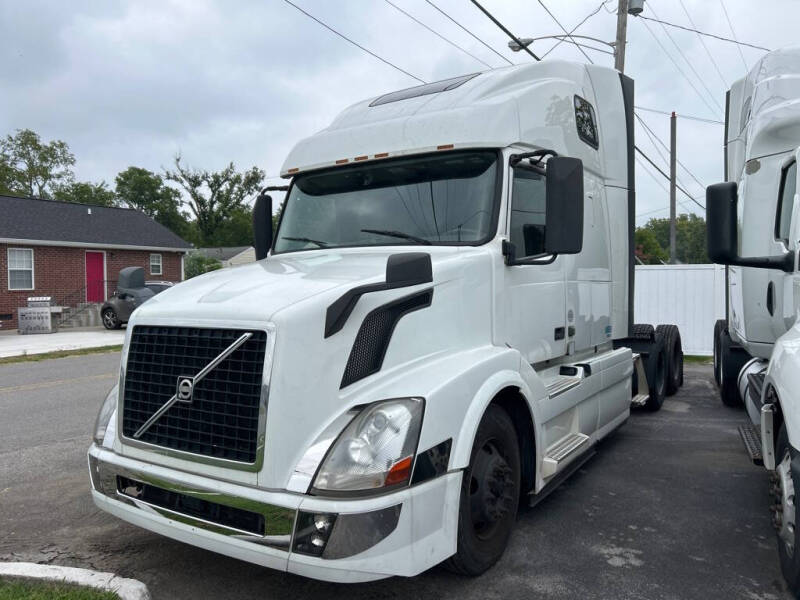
x: 622, y: 32
x: 673, y: 126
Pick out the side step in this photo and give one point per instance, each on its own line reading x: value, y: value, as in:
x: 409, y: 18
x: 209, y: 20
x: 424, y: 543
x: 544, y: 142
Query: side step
x: 576, y: 464
x: 560, y: 384
x: 751, y: 438
x: 642, y: 391
x: 561, y: 451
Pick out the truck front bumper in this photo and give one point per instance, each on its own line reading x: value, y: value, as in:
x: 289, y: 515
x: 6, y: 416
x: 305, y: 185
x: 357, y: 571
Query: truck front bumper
x: 400, y: 533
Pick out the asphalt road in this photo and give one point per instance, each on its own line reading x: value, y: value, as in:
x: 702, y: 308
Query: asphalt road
x: 669, y: 508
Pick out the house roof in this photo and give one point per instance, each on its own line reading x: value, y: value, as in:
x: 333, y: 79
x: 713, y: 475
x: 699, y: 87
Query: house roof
x: 222, y: 253
x: 34, y: 220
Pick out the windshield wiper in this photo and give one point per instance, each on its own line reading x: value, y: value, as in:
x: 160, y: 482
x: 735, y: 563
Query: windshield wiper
x: 305, y: 239
x: 399, y: 234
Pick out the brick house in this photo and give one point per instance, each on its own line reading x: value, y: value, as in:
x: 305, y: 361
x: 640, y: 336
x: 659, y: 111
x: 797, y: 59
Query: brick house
x: 74, y: 252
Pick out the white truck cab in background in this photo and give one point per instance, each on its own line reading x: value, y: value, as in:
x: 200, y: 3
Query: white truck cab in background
x: 440, y: 327
x: 754, y: 228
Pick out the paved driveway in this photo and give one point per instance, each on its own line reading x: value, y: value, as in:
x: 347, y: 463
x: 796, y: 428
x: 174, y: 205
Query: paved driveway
x: 669, y: 508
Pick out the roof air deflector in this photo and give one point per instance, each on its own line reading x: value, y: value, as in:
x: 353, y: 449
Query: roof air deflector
x: 423, y: 90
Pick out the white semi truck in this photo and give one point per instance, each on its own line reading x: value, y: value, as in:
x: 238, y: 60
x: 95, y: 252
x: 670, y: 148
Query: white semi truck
x: 754, y: 228
x: 439, y: 329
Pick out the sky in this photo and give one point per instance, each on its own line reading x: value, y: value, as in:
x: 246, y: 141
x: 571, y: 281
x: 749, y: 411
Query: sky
x: 135, y: 83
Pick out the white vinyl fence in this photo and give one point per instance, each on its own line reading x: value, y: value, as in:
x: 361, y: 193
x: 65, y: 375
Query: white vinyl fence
x: 689, y: 296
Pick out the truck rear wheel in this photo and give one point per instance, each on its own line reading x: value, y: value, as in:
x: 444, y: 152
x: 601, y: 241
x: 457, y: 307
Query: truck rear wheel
x: 490, y: 492
x: 656, y: 370
x: 719, y: 327
x: 783, y: 513
x: 674, y: 351
x: 731, y: 360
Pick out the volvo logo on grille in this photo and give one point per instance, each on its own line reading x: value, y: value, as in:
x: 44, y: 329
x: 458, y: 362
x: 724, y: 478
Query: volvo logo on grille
x: 185, y: 389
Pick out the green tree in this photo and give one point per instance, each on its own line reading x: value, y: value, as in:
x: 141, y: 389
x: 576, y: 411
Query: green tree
x: 145, y: 191
x: 213, y: 195
x: 196, y: 264
x: 648, y: 249
x: 82, y: 192
x: 236, y: 229
x: 30, y: 167
x: 690, y: 237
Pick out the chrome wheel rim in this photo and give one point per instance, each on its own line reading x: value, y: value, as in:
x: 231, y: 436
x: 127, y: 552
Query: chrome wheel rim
x: 109, y: 318
x: 783, y: 511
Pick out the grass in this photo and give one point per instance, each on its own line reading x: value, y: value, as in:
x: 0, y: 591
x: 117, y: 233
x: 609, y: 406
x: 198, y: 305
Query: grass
x: 17, y: 589
x: 59, y: 354
x: 698, y: 360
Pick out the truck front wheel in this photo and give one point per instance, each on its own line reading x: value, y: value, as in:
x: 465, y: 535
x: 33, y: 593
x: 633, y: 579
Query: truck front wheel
x: 490, y: 491
x: 783, y: 513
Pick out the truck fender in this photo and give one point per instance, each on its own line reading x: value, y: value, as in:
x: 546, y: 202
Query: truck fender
x: 783, y: 375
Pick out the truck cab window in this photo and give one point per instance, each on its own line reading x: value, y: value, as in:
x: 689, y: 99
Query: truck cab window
x: 786, y: 202
x: 527, y: 213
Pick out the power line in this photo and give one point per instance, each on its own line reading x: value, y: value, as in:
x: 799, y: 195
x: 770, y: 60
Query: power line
x: 691, y: 66
x: 650, y: 131
x: 436, y: 33
x: 738, y: 47
x: 505, y: 30
x: 680, y: 116
x: 574, y: 29
x: 678, y: 67
x: 660, y: 184
x: 703, y: 42
x: 356, y: 44
x: 564, y: 29
x: 711, y: 35
x: 657, y: 168
x: 469, y: 32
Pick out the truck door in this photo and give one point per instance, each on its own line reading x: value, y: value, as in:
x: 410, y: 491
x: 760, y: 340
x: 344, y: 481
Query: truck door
x: 535, y: 294
x: 783, y: 310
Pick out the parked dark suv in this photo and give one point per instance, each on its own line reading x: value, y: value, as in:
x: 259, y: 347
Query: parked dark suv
x: 132, y: 291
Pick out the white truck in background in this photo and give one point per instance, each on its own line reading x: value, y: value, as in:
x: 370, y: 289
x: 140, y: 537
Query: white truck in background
x: 439, y: 329
x: 753, y: 224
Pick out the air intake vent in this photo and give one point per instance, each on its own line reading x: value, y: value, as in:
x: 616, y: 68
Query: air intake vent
x: 372, y: 340
x: 222, y: 418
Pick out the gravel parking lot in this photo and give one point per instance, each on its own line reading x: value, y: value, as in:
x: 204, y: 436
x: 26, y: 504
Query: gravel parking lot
x: 670, y: 507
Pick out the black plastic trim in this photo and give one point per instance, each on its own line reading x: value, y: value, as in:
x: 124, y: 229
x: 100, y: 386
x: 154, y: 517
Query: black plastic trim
x: 423, y: 300
x: 432, y: 463
x: 402, y: 270
x: 725, y: 171
x: 627, y: 97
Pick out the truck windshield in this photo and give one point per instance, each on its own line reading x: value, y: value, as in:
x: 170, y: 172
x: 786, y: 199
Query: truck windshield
x: 445, y: 199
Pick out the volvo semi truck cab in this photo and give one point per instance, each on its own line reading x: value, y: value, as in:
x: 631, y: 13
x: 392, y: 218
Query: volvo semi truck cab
x: 754, y: 228
x: 439, y: 328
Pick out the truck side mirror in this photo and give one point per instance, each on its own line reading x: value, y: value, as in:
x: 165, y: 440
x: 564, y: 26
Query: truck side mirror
x: 262, y: 225
x: 723, y: 232
x: 564, y: 206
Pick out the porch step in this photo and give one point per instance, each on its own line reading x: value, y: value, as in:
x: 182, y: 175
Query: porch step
x: 85, y: 315
x: 751, y: 438
x: 562, y: 450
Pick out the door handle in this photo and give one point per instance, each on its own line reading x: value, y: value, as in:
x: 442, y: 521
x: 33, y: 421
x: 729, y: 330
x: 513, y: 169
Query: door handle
x: 771, y: 298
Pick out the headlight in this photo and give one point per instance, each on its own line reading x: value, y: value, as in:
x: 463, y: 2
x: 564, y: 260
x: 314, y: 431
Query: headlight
x: 104, y: 416
x: 376, y: 449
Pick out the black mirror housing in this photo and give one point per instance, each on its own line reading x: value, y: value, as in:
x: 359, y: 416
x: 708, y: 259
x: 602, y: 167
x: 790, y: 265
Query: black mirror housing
x: 564, y: 206
x: 722, y: 230
x: 262, y: 225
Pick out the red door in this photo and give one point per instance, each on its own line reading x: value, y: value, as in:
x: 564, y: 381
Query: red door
x: 95, y: 277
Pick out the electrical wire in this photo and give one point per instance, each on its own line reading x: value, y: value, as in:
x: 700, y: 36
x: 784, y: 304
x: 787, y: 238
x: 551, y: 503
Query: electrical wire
x: 649, y: 131
x: 691, y: 66
x: 738, y: 46
x: 663, y: 187
x: 657, y: 168
x: 469, y: 32
x: 703, y: 42
x: 436, y: 33
x: 680, y: 116
x: 680, y: 70
x: 505, y: 30
x: 711, y: 35
x: 564, y: 29
x: 344, y: 37
x: 574, y: 29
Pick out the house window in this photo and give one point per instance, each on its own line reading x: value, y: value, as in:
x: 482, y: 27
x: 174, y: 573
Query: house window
x: 155, y: 264
x: 584, y: 118
x: 20, y: 269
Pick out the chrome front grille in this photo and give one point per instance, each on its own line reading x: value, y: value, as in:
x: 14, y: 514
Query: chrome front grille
x: 221, y: 420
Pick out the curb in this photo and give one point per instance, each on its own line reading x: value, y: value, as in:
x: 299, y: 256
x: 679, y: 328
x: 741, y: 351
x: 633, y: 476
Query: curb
x: 126, y: 589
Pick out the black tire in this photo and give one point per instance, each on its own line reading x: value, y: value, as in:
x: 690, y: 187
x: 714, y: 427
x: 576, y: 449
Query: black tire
x: 490, y: 493
x: 674, y: 351
x: 110, y: 319
x: 789, y: 557
x: 656, y: 371
x: 719, y: 327
x: 643, y: 331
x: 731, y: 360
